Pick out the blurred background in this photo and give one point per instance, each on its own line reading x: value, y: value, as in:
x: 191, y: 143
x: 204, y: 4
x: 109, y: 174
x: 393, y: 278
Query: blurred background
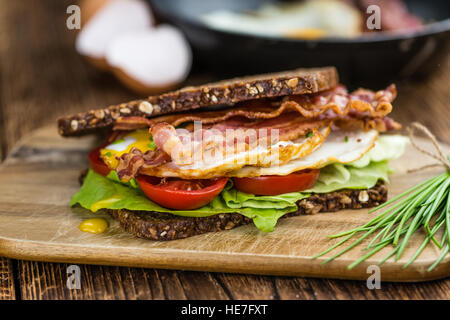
x: 60, y: 57
x: 370, y: 41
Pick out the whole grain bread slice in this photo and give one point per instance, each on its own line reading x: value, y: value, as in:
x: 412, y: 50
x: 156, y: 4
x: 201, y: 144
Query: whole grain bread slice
x: 164, y: 226
x: 226, y: 92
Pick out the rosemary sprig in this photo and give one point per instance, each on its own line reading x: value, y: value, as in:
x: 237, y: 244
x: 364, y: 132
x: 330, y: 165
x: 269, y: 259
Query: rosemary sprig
x: 425, y: 206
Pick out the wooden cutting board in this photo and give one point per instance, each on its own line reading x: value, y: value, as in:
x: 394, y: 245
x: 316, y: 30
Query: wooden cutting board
x: 36, y: 223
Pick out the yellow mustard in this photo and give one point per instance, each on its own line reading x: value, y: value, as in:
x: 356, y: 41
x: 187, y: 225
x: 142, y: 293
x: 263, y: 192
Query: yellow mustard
x: 94, y: 225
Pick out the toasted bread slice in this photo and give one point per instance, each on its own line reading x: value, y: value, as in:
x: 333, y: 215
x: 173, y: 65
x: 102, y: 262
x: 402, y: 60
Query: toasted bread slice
x: 227, y: 92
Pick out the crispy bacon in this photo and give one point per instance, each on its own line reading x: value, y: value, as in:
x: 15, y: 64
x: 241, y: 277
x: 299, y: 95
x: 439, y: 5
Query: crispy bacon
x: 131, y: 123
x: 289, y: 126
x: 130, y: 163
x: 338, y: 103
x: 333, y: 104
x: 170, y: 141
x: 115, y: 135
x: 380, y: 124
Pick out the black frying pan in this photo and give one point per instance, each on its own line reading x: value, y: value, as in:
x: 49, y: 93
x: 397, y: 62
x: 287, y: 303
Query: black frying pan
x: 362, y: 61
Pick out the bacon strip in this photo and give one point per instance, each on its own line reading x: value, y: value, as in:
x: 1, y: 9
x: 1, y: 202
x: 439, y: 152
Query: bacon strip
x: 170, y: 141
x: 115, y: 135
x: 131, y: 123
x: 379, y: 124
x: 130, y: 163
x: 289, y: 125
x: 336, y: 103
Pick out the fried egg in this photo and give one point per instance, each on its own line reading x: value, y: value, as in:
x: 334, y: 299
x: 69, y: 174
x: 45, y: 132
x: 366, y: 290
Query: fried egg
x: 280, y: 152
x: 310, y: 19
x: 340, y: 147
x: 284, y: 157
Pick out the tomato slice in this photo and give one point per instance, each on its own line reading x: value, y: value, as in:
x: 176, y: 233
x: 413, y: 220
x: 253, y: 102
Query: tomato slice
x: 274, y: 185
x: 180, y: 194
x: 97, y: 163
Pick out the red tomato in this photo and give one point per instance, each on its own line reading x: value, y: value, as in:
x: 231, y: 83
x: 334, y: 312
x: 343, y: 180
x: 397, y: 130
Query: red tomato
x: 97, y: 163
x: 180, y: 194
x: 274, y: 185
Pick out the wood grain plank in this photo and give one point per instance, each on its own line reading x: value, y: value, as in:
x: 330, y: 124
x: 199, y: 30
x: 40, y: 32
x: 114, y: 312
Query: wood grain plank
x: 43, y: 281
x: 7, y: 290
x: 202, y: 285
x: 248, y: 287
x: 300, y: 288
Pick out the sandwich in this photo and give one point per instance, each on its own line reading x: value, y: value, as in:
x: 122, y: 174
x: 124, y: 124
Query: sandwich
x: 247, y: 150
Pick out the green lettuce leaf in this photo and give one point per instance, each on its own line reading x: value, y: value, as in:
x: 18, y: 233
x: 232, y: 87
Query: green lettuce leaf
x: 387, y: 147
x: 338, y: 176
x: 112, y: 175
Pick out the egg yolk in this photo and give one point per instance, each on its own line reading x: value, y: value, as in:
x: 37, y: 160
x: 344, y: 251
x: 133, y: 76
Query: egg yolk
x: 309, y: 33
x: 140, y: 139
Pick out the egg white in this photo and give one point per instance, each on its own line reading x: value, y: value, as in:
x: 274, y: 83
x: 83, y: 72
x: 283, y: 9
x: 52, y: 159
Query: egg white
x: 340, y: 147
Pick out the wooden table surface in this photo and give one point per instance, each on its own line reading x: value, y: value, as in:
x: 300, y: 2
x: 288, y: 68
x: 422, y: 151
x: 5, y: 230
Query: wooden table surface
x: 41, y: 77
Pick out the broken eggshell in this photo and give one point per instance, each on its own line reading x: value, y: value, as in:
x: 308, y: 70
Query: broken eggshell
x: 108, y: 21
x: 152, y: 60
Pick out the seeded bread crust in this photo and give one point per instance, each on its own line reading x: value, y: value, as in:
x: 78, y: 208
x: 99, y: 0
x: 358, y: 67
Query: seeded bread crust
x: 164, y: 226
x: 227, y: 92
